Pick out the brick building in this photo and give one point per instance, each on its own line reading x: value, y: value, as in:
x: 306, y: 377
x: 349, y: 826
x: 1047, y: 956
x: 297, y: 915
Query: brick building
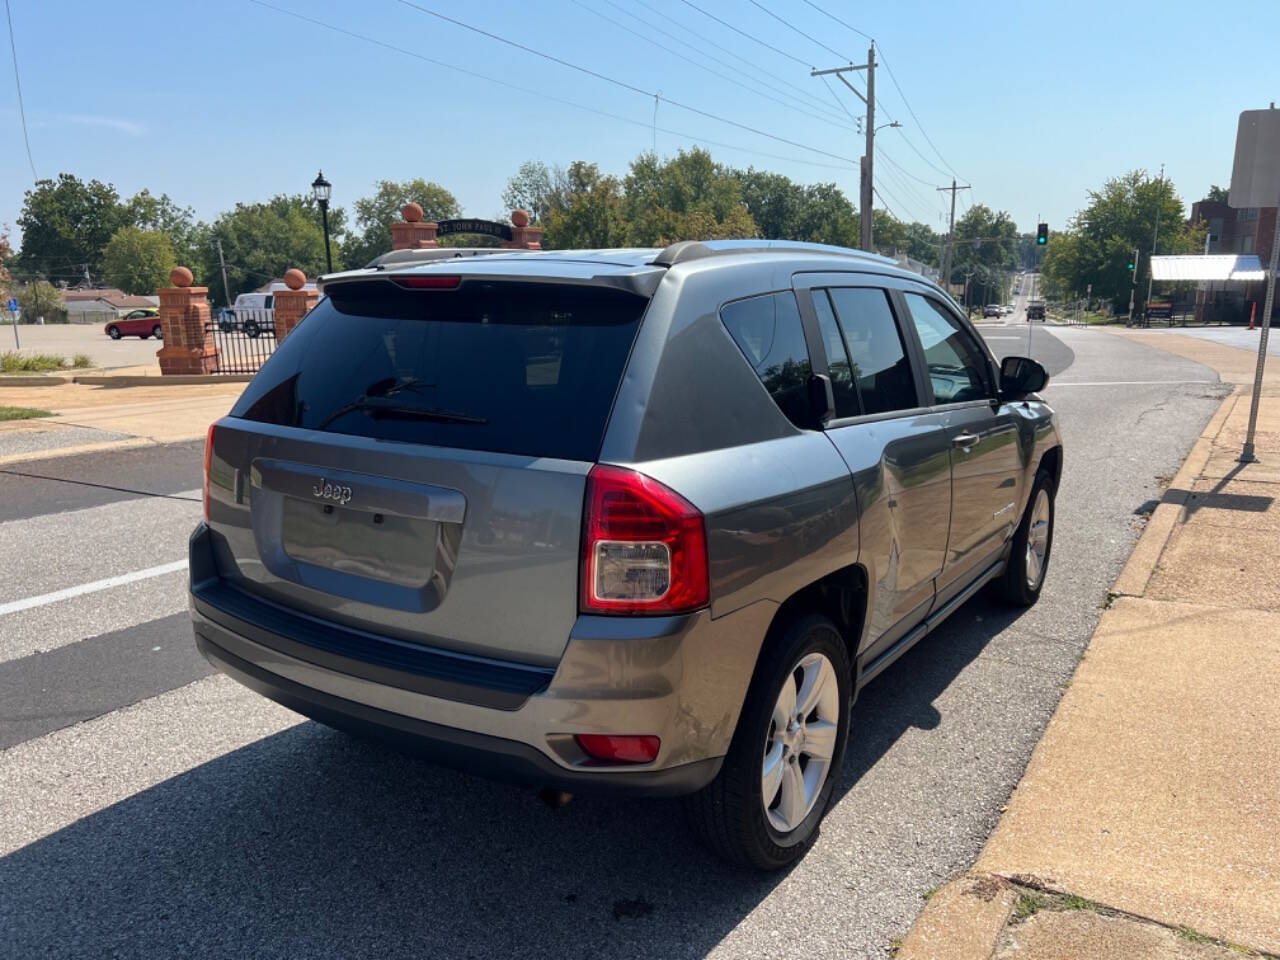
x: 1243, y: 231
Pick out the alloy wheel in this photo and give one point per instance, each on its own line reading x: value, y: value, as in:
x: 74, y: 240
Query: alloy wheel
x: 1038, y: 539
x: 800, y: 742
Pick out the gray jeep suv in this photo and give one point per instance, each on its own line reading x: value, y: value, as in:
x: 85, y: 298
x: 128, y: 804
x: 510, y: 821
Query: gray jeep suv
x: 639, y: 521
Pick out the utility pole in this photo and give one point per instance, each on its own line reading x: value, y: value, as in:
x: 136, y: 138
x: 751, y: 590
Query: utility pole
x: 949, y: 247
x: 867, y: 184
x: 1154, y: 236
x: 226, y: 290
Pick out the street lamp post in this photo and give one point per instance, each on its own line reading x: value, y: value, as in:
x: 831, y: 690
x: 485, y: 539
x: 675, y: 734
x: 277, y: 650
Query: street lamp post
x: 321, y: 190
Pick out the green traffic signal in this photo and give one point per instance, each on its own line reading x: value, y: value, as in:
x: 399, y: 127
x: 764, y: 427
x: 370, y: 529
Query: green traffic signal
x: 1042, y: 234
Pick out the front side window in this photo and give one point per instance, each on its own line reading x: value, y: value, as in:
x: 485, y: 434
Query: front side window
x: 958, y: 369
x: 881, y: 370
x: 767, y: 330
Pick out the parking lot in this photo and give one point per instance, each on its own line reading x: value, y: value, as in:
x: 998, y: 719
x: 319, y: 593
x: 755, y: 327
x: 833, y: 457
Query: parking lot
x: 68, y: 339
x: 160, y: 806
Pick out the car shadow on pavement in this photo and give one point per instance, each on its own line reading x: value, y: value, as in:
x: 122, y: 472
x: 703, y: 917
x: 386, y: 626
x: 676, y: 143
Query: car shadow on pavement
x: 310, y: 843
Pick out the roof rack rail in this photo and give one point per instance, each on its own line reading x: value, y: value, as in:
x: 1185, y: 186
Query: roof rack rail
x: 684, y: 251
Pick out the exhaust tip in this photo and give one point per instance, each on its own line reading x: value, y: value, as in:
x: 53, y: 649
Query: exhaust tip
x: 555, y: 799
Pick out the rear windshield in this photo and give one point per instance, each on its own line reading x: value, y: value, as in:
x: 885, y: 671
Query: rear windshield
x: 505, y: 367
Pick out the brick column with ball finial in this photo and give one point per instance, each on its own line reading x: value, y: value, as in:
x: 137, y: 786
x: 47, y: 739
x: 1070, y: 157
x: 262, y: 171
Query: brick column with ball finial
x: 523, y: 236
x: 184, y: 316
x: 413, y: 233
x: 293, y: 304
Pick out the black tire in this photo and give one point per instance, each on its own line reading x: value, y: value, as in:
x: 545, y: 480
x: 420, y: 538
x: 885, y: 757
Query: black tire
x: 1015, y: 586
x: 728, y: 815
x: 158, y: 332
x: 251, y: 329
x: 113, y: 332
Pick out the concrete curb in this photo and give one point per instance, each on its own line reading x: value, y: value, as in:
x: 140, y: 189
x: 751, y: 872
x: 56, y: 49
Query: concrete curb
x: 962, y: 920
x: 106, y: 445
x: 106, y: 380
x: 34, y: 380
x: 1142, y: 562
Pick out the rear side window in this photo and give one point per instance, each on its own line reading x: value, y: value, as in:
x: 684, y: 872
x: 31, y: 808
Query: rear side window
x: 768, y: 332
x: 505, y: 367
x: 838, y: 367
x: 881, y: 369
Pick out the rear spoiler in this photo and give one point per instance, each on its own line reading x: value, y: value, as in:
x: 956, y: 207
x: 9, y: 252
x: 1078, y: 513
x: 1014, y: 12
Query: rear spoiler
x: 639, y: 281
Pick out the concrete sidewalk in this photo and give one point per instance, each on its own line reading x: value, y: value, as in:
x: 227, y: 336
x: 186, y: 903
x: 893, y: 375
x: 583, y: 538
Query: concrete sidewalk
x: 1145, y: 825
x: 103, y: 417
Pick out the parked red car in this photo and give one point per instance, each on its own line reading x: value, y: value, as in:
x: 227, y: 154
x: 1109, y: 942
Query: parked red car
x: 136, y: 323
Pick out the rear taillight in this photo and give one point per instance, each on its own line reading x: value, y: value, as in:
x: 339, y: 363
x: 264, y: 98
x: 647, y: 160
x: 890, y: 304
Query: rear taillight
x: 208, y: 461
x: 644, y: 546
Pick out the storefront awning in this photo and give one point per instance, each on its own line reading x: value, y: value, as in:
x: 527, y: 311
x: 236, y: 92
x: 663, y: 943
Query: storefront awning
x: 1212, y: 267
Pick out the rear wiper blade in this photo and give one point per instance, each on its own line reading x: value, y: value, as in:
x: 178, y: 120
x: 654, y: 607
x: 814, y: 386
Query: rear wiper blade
x: 379, y: 407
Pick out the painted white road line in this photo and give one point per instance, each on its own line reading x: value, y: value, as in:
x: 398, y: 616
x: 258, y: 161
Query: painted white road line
x: 1003, y: 338
x: 46, y: 598
x: 1121, y: 383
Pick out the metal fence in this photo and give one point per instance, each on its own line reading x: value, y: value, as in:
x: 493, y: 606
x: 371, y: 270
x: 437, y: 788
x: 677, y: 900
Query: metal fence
x: 244, y: 338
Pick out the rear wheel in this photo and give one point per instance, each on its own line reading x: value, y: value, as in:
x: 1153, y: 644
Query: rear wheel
x: 251, y: 329
x: 764, y: 807
x: 113, y: 332
x: 158, y: 332
x: 1032, y: 542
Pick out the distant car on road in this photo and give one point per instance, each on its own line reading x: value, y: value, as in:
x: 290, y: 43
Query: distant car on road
x: 1035, y: 310
x: 142, y: 323
x: 992, y: 310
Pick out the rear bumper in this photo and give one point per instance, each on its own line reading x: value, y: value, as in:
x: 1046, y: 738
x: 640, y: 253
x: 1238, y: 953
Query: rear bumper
x: 681, y: 678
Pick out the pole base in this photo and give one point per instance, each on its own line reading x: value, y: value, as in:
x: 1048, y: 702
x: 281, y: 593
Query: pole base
x: 1246, y: 455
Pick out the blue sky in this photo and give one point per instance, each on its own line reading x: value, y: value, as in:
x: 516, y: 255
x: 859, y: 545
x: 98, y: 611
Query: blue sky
x: 1032, y: 103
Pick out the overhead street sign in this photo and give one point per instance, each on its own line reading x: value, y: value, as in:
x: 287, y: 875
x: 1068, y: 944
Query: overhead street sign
x: 1255, y: 174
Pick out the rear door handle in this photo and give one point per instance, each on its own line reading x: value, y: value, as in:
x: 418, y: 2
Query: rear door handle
x: 965, y: 440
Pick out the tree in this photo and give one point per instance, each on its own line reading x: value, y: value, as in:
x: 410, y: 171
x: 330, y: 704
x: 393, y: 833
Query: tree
x: 923, y: 243
x: 785, y: 210
x: 533, y: 189
x: 986, y: 248
x: 1121, y: 217
x: 587, y: 213
x: 262, y: 240
x: 65, y: 225
x: 375, y: 214
x: 1216, y: 194
x: 138, y: 261
x: 41, y: 299
x: 186, y: 236
x: 689, y: 197
x: 6, y: 254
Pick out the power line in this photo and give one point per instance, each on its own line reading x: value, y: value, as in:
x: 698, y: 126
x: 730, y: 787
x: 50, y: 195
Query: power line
x: 792, y: 26
x: 701, y: 66
x: 897, y: 86
x: 647, y: 94
x: 17, y: 81
x: 538, y: 93
x: 904, y: 170
x: 806, y: 98
x: 754, y: 39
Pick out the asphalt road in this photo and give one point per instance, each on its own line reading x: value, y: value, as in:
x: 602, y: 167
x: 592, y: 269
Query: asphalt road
x: 152, y: 809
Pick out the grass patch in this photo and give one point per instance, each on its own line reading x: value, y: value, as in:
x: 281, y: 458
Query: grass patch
x: 22, y: 413
x: 928, y: 894
x: 1029, y: 903
x: 12, y: 362
x: 1072, y: 902
x: 1193, y: 936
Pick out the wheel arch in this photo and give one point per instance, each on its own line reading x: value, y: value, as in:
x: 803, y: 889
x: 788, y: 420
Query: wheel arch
x: 1051, y: 460
x: 840, y: 595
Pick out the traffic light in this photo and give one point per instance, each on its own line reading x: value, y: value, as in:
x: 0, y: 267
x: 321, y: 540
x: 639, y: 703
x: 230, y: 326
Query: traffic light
x: 1133, y: 262
x: 1042, y: 234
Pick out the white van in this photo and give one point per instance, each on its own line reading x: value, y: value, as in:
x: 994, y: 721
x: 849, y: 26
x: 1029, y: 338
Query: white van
x: 254, y: 313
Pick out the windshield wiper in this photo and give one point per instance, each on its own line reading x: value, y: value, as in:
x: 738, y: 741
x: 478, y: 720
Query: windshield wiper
x: 378, y: 406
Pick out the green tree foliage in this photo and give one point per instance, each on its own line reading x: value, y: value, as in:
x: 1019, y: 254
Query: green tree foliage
x: 923, y: 243
x: 260, y: 241
x: 1216, y: 194
x: 374, y: 215
x: 66, y: 223
x: 138, y: 261
x: 986, y: 250
x: 785, y: 210
x: 1119, y: 218
x: 533, y: 188
x: 688, y: 197
x: 41, y: 299
x: 186, y: 236
x: 587, y: 213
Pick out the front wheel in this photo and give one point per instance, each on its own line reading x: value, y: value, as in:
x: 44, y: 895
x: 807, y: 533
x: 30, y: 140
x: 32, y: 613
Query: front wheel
x: 763, y: 808
x: 251, y: 329
x: 158, y: 332
x: 1032, y: 542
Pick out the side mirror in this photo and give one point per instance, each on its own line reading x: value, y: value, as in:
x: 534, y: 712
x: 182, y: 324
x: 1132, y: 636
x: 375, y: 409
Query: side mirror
x: 1020, y: 376
x: 822, y: 401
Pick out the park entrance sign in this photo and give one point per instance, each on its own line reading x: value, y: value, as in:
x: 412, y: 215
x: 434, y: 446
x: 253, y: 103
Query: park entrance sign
x: 1255, y: 182
x: 488, y: 228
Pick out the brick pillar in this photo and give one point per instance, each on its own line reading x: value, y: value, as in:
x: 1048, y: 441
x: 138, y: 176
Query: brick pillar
x: 414, y: 233
x: 293, y: 304
x: 184, y: 315
x: 523, y: 236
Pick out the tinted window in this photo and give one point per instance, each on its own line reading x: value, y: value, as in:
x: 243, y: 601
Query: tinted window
x: 840, y: 371
x: 880, y: 366
x: 511, y: 368
x: 767, y: 329
x: 958, y: 369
